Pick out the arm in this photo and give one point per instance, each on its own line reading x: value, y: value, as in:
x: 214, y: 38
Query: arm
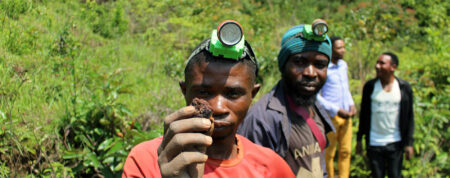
x: 331, y: 108
x: 364, y: 116
x: 410, y: 117
x: 349, y: 97
x: 409, y: 151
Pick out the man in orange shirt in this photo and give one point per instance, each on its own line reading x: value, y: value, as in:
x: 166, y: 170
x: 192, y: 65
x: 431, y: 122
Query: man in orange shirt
x: 227, y: 81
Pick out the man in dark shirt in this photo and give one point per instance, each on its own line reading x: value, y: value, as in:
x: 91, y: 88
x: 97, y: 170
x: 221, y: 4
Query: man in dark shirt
x: 386, y: 119
x: 288, y: 119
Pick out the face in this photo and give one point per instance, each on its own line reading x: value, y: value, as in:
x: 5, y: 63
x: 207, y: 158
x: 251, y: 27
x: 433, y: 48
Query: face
x: 304, y: 74
x: 228, y: 88
x: 384, y: 66
x: 339, y: 49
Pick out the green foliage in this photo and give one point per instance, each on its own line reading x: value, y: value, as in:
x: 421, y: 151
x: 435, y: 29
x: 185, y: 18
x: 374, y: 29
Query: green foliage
x: 14, y: 8
x: 94, y: 132
x: 83, y: 82
x: 106, y: 19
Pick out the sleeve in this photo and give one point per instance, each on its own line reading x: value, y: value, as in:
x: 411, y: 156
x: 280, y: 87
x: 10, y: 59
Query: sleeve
x: 347, y: 85
x: 331, y: 108
x: 364, y: 114
x: 410, y: 115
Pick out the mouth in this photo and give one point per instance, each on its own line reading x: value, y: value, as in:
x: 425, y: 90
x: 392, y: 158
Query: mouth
x: 308, y: 87
x: 221, y: 123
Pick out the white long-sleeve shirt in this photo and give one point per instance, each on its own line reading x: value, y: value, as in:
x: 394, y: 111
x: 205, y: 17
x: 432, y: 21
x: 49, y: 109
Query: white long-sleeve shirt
x: 335, y: 93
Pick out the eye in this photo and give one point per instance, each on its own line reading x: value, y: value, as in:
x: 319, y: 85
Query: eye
x: 321, y: 64
x: 234, y: 94
x: 299, y: 61
x: 203, y: 93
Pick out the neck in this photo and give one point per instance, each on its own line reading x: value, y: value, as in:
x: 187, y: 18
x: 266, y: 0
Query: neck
x: 334, y: 60
x: 387, y: 80
x: 223, y: 149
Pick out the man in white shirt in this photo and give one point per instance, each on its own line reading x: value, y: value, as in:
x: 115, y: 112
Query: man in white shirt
x: 386, y: 119
x: 336, y: 98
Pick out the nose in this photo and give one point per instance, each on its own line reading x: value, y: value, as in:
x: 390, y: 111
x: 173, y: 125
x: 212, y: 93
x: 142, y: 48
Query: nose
x: 219, y: 108
x: 310, y: 72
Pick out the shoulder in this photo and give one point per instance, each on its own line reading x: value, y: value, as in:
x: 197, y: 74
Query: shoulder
x: 342, y: 63
x: 402, y: 82
x: 370, y: 83
x: 147, y: 147
x: 404, y: 86
x: 263, y: 101
x: 145, y: 151
x: 142, y: 161
x: 260, y: 110
x: 254, y: 150
x: 260, y: 156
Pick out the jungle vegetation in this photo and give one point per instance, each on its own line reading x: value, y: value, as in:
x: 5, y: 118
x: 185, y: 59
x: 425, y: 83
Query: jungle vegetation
x: 83, y: 81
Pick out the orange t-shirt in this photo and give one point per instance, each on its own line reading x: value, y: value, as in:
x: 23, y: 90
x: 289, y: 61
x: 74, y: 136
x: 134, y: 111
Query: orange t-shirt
x: 252, y: 161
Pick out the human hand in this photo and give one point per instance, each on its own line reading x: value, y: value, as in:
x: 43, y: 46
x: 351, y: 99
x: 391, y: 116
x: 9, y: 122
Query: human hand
x: 409, y: 152
x: 352, y: 110
x: 343, y: 113
x: 182, y: 146
x: 358, y: 148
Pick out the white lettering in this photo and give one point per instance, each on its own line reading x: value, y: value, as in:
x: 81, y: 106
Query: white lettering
x: 307, y: 150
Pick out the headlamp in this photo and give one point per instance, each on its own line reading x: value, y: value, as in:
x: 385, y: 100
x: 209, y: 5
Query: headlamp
x: 229, y: 32
x: 317, y: 31
x: 319, y: 27
x: 228, y: 40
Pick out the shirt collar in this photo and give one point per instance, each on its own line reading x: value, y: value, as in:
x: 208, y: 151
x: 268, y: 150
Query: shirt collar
x: 331, y: 64
x: 277, y: 100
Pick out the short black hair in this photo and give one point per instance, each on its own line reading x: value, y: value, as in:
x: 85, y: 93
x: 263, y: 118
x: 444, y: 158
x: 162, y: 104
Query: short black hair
x: 394, y: 58
x: 334, y: 38
x: 206, y: 56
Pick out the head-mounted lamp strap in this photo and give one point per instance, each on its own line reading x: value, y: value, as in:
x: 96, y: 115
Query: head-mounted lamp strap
x: 203, y: 46
x: 247, y: 51
x: 300, y: 35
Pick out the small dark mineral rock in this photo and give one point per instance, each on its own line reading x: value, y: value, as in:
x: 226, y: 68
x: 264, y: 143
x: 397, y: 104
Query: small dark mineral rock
x: 203, y: 110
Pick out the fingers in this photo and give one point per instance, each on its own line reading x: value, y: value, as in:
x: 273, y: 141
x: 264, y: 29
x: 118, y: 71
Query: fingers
x: 343, y: 113
x: 181, y: 146
x: 183, y: 126
x: 409, y: 152
x: 176, y: 166
x: 184, y: 142
x: 188, y: 125
x: 179, y: 114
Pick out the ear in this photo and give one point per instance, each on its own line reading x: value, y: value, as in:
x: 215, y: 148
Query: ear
x: 255, y: 89
x: 393, y: 67
x: 182, y: 87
